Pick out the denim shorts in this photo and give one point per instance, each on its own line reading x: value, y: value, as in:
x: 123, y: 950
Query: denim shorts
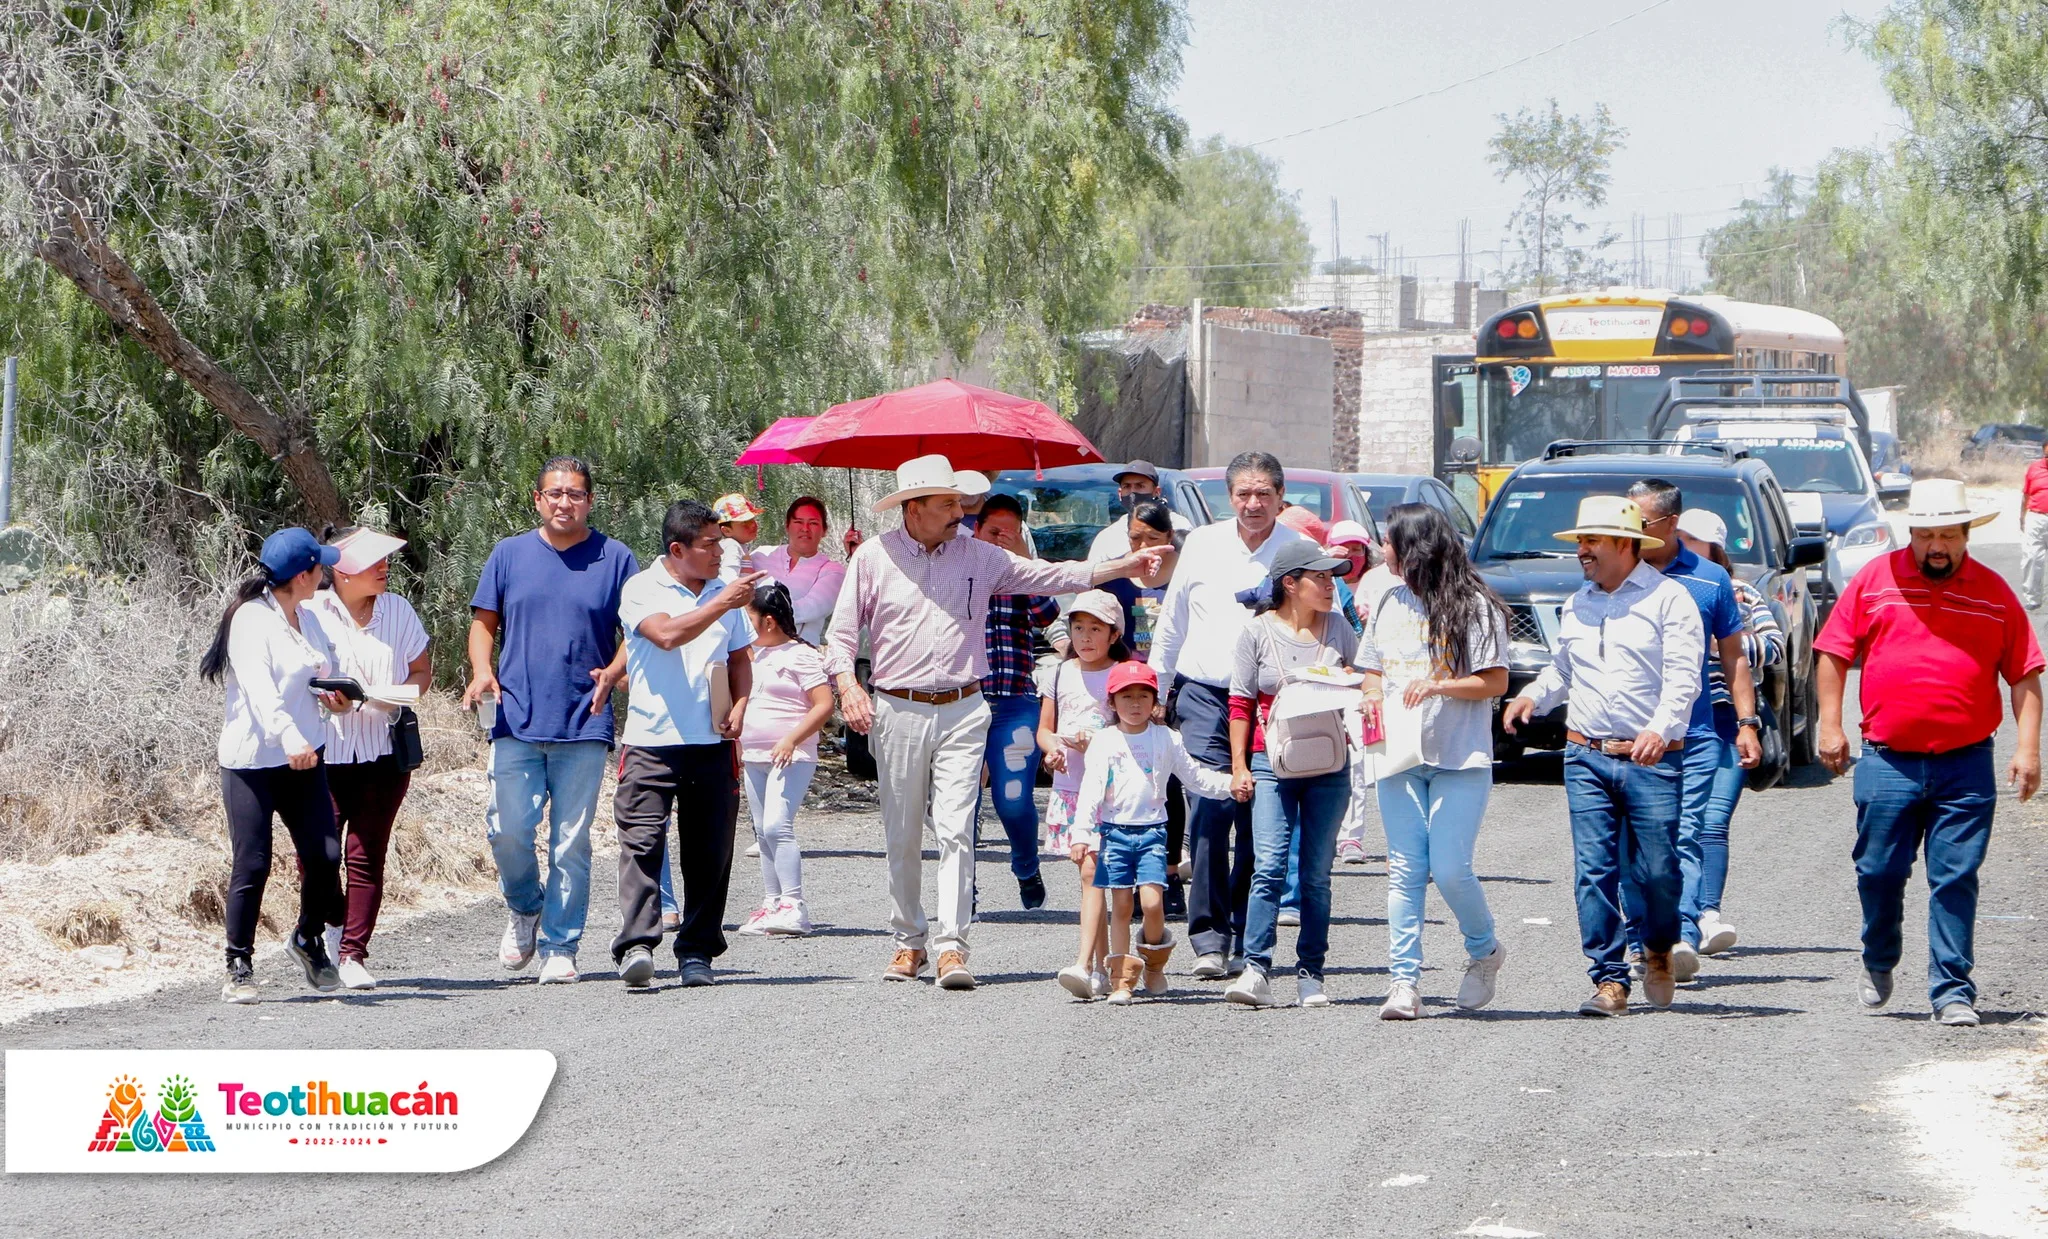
x: 1131, y: 856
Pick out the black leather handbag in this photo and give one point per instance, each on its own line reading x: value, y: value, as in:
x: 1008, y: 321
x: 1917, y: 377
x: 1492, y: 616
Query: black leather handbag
x: 405, y: 740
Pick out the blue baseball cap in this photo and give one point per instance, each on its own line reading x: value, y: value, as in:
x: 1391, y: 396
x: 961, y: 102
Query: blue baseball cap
x: 293, y: 550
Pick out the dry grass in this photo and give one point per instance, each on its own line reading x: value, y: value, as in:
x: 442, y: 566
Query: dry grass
x: 1939, y: 454
x: 96, y: 922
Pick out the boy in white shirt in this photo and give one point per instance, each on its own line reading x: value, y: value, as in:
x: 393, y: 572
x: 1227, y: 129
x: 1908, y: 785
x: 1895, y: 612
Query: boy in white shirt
x: 1122, y: 803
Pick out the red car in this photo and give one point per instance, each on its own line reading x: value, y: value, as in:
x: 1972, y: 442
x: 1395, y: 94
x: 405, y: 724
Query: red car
x: 1331, y: 496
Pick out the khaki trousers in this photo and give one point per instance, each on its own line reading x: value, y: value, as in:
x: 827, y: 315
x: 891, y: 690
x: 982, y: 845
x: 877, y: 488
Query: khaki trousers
x: 929, y: 759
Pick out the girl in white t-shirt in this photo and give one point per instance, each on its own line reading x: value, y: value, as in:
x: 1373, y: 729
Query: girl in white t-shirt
x: 1076, y: 704
x: 790, y: 701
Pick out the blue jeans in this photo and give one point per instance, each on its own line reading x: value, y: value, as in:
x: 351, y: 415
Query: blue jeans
x: 669, y: 906
x: 1012, y: 763
x: 1940, y: 802
x: 1710, y: 780
x: 1432, y: 821
x: 1315, y: 807
x: 1291, y: 896
x: 1624, y: 822
x: 1131, y: 856
x: 559, y: 779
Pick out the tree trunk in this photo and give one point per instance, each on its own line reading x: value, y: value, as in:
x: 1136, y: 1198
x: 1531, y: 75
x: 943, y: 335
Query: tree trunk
x: 76, y: 250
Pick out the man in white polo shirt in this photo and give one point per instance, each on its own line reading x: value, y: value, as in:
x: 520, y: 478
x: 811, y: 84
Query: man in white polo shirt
x: 680, y: 621
x: 1194, y: 647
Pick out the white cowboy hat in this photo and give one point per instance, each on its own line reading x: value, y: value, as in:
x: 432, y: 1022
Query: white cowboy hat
x: 1609, y: 516
x: 1935, y: 502
x: 931, y: 475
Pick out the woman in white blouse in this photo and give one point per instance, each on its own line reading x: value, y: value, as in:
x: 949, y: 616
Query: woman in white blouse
x: 378, y: 640
x: 802, y: 567
x: 269, y: 651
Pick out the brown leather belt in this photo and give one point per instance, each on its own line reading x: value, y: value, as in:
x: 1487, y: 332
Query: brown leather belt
x: 944, y: 697
x: 1615, y: 748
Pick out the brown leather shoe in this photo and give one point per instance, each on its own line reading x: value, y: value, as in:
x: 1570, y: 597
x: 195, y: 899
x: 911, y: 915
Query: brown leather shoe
x: 1658, y: 983
x: 1611, y: 998
x: 953, y: 972
x: 907, y: 966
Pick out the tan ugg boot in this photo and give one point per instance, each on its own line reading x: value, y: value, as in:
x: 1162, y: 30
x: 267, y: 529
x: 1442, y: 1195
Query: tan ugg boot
x: 1155, y: 956
x: 1125, y: 972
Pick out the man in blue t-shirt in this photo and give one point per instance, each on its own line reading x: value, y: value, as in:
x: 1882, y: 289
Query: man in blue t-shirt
x: 1717, y: 751
x: 548, y: 601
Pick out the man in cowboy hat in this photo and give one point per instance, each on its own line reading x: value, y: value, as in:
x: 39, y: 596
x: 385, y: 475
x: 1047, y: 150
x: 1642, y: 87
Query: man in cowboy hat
x: 1936, y: 631
x: 921, y: 595
x: 1627, y: 662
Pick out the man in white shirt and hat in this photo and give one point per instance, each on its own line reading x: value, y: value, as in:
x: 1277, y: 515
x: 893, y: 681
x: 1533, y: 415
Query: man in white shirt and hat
x: 1627, y: 663
x: 920, y: 595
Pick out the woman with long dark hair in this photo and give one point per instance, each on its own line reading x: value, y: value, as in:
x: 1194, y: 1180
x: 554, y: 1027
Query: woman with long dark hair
x: 802, y: 567
x: 1437, y: 644
x: 268, y: 651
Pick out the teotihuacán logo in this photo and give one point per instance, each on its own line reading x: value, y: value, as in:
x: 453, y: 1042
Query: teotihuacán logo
x: 129, y: 1127
x: 269, y: 1110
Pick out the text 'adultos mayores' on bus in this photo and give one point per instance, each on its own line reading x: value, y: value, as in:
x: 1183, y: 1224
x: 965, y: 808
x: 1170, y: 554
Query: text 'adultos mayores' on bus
x: 318, y: 1098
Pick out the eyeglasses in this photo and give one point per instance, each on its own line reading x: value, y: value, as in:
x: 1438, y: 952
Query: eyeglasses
x: 560, y: 493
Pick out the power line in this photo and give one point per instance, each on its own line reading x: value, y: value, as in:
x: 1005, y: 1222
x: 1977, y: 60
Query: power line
x: 1486, y: 73
x: 1802, y: 229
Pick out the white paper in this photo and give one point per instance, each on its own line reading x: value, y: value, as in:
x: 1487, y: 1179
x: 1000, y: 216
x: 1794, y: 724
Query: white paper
x: 394, y: 694
x: 1317, y: 696
x: 1400, y: 747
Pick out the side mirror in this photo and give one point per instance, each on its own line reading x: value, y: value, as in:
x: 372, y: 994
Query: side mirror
x: 1451, y: 405
x: 1808, y: 552
x: 1464, y: 450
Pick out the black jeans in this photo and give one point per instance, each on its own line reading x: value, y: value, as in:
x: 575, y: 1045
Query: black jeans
x: 699, y: 785
x: 1222, y: 883
x: 301, y: 798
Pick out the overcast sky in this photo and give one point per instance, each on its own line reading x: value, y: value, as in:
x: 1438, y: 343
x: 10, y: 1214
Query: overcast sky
x: 1713, y: 96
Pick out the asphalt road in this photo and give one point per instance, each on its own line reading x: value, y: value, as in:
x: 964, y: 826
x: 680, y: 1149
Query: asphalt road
x: 803, y: 1095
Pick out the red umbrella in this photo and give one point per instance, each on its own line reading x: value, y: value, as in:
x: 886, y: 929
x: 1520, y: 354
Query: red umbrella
x: 973, y: 427
x: 771, y: 447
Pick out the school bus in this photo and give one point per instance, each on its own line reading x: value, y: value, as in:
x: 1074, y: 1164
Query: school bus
x: 1592, y: 365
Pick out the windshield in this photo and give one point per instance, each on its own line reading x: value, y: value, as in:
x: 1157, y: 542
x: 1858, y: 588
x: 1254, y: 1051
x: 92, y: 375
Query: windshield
x: 1379, y: 498
x: 1522, y: 518
x: 1065, y: 516
x: 1527, y: 408
x: 1315, y: 496
x: 1828, y: 466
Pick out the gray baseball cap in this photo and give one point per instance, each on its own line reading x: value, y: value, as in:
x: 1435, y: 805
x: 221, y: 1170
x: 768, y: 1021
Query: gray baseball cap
x: 1303, y: 556
x: 1137, y: 468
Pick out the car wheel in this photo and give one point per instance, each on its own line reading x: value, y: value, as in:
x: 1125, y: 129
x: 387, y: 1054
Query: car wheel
x: 1806, y: 737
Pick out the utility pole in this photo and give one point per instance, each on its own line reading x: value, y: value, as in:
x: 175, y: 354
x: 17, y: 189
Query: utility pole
x: 1336, y: 241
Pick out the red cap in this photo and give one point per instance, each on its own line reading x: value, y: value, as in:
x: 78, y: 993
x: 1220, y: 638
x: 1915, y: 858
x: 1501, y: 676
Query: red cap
x: 1131, y: 674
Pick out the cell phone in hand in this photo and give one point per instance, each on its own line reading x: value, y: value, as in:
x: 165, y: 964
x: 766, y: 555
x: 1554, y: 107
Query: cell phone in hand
x: 345, y: 685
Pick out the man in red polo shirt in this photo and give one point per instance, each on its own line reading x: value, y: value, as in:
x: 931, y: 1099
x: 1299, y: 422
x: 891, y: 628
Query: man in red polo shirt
x: 1935, y: 631
x: 2034, y: 529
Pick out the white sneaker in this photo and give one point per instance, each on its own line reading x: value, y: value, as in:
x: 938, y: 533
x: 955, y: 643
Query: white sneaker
x: 1077, y: 981
x: 1716, y: 935
x: 636, y: 969
x: 1098, y: 983
x: 1403, y: 1002
x: 334, y: 943
x: 1635, y: 966
x: 1481, y: 978
x: 757, y: 923
x: 1309, y: 990
x: 515, y: 949
x: 1289, y: 916
x: 788, y: 920
x: 754, y: 849
x: 557, y: 968
x: 1350, y: 852
x: 1685, y: 961
x: 1251, y: 988
x: 1208, y: 967
x: 354, y: 975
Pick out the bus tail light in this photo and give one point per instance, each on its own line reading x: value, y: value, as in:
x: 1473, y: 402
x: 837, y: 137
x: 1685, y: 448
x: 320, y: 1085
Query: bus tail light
x: 1519, y: 327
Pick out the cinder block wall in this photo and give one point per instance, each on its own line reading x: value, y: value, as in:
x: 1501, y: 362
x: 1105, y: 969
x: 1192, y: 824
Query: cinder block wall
x: 1260, y: 390
x: 1396, y: 400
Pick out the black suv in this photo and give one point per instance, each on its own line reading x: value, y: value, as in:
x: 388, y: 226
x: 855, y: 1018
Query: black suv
x: 1535, y: 573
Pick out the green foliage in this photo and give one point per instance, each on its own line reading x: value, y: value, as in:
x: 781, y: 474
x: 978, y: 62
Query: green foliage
x: 1561, y: 161
x: 1972, y: 169
x: 463, y: 235
x: 1230, y: 236
x: 1845, y: 247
